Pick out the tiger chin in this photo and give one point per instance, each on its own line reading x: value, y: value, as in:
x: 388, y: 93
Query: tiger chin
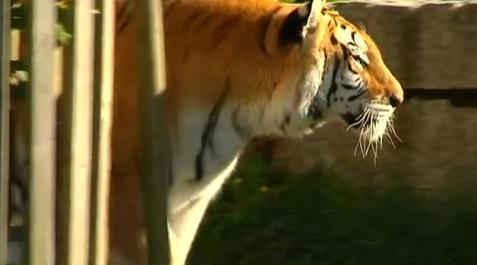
x: 240, y: 69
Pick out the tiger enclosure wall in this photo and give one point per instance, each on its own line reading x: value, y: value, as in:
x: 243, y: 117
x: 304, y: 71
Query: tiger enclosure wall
x: 431, y: 48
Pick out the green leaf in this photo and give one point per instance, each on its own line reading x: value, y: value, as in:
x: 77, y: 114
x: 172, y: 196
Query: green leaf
x: 63, y: 37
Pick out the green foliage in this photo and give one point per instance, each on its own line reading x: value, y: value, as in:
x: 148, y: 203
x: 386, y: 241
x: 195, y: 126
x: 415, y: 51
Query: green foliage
x: 63, y: 34
x: 19, y: 20
x: 266, y: 216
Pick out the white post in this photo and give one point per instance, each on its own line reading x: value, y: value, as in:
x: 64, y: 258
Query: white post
x: 41, y: 133
x: 155, y: 155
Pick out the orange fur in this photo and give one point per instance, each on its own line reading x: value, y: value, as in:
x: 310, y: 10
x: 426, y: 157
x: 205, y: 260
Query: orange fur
x: 214, y: 46
x: 209, y: 43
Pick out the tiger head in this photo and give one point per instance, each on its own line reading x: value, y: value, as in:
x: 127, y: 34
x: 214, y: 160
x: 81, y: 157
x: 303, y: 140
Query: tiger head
x: 345, y: 72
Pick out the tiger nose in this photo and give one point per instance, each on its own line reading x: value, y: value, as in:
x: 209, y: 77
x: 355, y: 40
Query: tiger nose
x: 396, y: 98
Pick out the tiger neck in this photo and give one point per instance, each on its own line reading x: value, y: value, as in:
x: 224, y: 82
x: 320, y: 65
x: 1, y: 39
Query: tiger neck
x: 328, y: 86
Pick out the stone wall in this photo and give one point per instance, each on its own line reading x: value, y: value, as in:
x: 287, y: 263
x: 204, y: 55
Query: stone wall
x: 439, y: 149
x: 426, y: 44
x: 432, y: 48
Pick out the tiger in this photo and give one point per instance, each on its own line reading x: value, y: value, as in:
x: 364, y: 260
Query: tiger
x: 237, y: 70
x: 242, y: 69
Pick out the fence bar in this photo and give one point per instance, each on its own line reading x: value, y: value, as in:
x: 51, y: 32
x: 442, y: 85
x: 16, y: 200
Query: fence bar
x: 42, y: 119
x: 103, y: 83
x: 155, y: 150
x: 76, y: 134
x: 4, y: 125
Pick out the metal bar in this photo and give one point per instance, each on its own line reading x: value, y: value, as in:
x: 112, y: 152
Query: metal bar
x: 155, y: 154
x: 4, y: 125
x: 75, y: 133
x: 103, y: 83
x: 41, y: 133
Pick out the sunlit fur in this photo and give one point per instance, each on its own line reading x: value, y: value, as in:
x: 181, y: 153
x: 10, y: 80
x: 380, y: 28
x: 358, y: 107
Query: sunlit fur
x: 233, y: 75
x: 236, y: 70
x: 363, y: 85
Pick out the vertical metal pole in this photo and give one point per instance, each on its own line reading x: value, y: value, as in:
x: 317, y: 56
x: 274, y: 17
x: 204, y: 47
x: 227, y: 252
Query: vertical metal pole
x: 76, y: 134
x: 4, y: 125
x: 103, y: 84
x: 42, y: 119
x: 155, y: 150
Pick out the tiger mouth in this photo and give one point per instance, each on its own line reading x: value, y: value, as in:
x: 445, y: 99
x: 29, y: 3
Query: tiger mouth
x: 351, y: 120
x: 355, y: 122
x: 374, y: 124
x: 371, y: 115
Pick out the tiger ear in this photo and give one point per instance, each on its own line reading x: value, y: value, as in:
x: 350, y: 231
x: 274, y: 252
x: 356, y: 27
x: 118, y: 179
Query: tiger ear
x: 301, y: 22
x: 313, y: 11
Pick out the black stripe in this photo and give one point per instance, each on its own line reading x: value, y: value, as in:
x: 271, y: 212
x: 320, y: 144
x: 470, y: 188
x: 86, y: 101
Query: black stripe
x: 190, y: 19
x: 124, y: 16
x: 284, y: 123
x: 325, y: 68
x: 344, y: 49
x: 313, y: 108
x: 263, y: 27
x: 123, y: 7
x: 222, y: 30
x: 271, y: 91
x: 333, y: 40
x: 351, y: 68
x: 203, y: 20
x: 169, y: 8
x: 349, y: 87
x: 333, y: 87
x: 360, y: 84
x: 235, y: 123
x: 207, y: 134
x: 353, y: 98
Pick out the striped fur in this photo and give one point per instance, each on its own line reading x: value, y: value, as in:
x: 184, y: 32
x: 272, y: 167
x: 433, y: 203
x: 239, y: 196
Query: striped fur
x: 240, y: 69
x: 236, y: 70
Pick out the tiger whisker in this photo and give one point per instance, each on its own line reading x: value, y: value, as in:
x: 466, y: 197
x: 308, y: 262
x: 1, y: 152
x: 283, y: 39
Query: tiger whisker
x: 358, y: 143
x: 359, y: 120
x: 395, y: 133
x: 390, y: 140
x: 381, y: 142
x: 375, y: 127
x: 372, y: 129
x: 356, y: 147
x: 365, y: 132
x: 361, y: 138
x: 375, y: 149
